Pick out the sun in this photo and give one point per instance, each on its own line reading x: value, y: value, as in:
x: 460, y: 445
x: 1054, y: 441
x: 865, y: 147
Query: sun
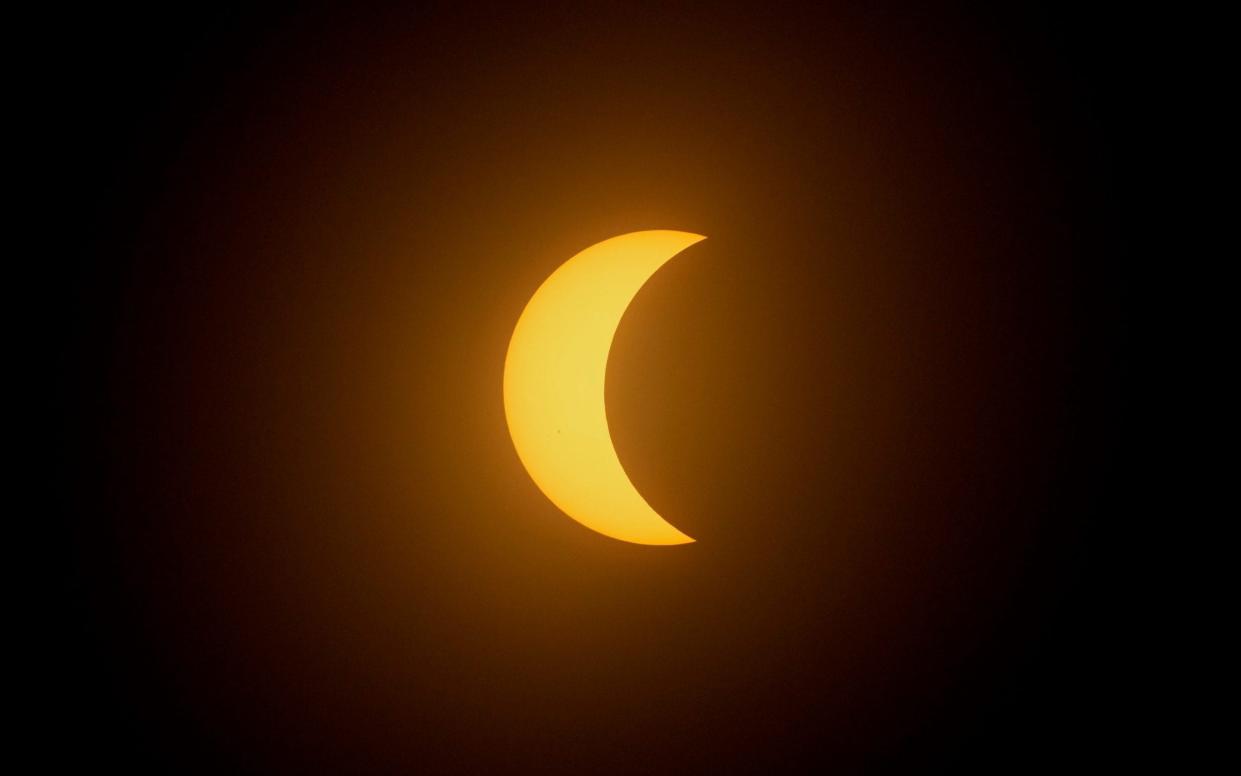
x: 554, y: 377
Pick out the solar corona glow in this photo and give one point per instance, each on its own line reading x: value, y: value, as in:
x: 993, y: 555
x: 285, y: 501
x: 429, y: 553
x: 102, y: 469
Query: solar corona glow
x: 554, y: 377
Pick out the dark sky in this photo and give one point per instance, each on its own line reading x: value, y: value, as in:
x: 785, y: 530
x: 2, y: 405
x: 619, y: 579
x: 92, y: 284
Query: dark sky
x: 883, y: 395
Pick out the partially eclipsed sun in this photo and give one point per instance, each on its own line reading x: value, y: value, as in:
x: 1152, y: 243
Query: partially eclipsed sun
x: 554, y: 378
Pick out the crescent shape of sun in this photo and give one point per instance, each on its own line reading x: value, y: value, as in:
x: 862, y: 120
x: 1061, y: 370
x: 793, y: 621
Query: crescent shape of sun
x: 554, y: 378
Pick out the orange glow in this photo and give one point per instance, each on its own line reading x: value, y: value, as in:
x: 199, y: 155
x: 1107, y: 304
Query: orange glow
x: 554, y: 384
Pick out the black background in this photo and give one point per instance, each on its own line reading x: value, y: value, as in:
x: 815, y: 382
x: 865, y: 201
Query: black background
x: 883, y: 395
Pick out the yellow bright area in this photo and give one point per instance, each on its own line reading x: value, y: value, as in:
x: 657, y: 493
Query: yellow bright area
x: 554, y: 378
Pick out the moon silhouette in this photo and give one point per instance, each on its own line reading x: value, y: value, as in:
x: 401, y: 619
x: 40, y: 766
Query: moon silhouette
x: 554, y: 377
